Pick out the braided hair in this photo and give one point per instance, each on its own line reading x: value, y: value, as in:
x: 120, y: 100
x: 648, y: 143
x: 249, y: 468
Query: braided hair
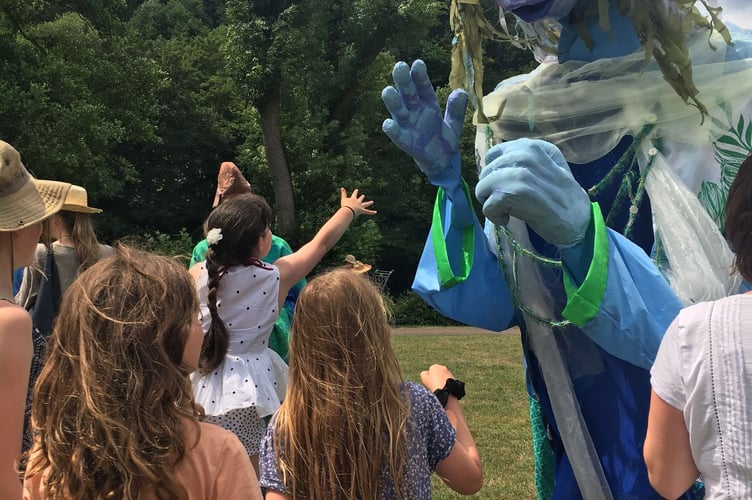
x: 242, y: 220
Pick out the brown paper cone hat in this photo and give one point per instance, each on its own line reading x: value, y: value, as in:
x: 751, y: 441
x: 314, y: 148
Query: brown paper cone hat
x: 230, y: 181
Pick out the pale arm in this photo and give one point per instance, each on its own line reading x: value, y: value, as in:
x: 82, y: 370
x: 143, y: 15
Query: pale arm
x: 15, y: 362
x: 461, y: 470
x: 276, y: 495
x: 668, y: 456
x: 195, y: 270
x: 294, y: 267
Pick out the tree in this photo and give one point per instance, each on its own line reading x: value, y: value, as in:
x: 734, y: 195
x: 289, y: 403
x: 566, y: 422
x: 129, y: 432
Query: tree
x: 308, y: 57
x: 68, y: 108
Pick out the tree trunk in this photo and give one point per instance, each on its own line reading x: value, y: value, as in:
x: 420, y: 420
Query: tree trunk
x: 284, y: 202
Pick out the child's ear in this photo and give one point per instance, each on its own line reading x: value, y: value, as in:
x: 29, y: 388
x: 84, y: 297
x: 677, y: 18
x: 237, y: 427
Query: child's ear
x: 258, y: 249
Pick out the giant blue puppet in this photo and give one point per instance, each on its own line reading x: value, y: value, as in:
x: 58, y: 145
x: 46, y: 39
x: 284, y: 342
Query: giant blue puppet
x: 602, y: 177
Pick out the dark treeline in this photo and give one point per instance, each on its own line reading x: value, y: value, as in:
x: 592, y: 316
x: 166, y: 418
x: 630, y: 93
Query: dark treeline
x: 139, y: 101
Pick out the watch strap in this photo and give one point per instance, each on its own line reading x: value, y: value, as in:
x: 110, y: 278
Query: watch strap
x: 452, y: 387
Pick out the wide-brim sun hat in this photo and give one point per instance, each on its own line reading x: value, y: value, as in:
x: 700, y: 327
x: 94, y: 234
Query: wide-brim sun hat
x: 24, y: 200
x: 357, y: 266
x: 78, y: 201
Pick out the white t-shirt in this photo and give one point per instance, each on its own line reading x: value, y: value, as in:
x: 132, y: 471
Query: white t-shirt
x: 704, y: 368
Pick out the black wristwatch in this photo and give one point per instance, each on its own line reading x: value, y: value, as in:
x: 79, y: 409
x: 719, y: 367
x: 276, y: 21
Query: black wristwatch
x: 454, y: 388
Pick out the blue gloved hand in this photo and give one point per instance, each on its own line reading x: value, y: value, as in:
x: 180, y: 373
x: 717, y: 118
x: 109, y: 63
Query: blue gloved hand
x: 530, y: 180
x: 417, y: 126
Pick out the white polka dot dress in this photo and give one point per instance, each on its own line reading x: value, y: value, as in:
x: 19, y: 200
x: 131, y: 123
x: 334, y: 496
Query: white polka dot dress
x: 251, y: 375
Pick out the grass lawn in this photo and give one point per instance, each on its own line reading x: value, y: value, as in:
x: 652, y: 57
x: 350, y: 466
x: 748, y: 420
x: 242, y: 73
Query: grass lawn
x: 495, y: 407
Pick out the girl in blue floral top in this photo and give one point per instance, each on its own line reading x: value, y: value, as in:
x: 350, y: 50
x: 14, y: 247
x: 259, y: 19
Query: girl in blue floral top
x: 350, y: 427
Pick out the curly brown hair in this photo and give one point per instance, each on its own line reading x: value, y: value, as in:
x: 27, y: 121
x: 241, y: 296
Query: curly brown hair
x: 111, y: 403
x: 344, y: 418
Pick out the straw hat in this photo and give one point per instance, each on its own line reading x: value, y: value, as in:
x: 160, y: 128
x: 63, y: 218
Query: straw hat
x: 357, y: 265
x: 25, y: 200
x: 230, y: 181
x: 77, y: 201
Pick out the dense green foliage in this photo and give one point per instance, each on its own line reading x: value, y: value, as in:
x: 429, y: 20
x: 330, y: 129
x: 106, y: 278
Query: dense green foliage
x: 140, y: 100
x: 408, y: 309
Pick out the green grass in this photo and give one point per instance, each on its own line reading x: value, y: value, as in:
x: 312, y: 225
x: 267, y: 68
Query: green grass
x: 495, y: 407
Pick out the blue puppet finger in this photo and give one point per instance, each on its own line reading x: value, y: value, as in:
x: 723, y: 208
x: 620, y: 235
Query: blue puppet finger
x: 454, y: 116
x: 405, y: 85
x: 392, y: 129
x: 395, y: 105
x: 423, y: 86
x: 496, y: 207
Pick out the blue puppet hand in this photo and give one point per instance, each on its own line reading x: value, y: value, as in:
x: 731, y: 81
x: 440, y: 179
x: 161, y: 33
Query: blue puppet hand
x: 417, y: 127
x: 530, y: 180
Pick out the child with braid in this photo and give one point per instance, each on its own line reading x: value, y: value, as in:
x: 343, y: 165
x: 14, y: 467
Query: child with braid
x: 240, y: 380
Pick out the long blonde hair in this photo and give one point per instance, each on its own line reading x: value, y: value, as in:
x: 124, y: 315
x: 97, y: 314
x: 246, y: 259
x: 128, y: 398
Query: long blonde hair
x: 111, y: 403
x: 84, y: 238
x: 343, y: 422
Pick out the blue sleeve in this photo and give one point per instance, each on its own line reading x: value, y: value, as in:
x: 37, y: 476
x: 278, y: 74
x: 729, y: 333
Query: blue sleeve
x: 17, y: 279
x: 482, y: 299
x: 624, y: 303
x: 436, y: 430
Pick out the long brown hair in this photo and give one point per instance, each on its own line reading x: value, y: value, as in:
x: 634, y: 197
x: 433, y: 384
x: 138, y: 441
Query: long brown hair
x: 111, y: 403
x: 242, y: 220
x: 738, y: 223
x: 343, y: 421
x: 84, y: 238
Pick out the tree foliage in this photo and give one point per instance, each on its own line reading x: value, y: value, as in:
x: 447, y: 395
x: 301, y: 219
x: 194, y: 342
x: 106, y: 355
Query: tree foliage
x: 140, y: 100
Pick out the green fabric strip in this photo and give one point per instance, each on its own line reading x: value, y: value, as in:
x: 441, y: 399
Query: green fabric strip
x: 583, y: 303
x: 447, y: 278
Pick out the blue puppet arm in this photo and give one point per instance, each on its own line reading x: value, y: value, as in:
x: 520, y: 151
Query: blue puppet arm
x: 617, y: 297
x: 458, y: 274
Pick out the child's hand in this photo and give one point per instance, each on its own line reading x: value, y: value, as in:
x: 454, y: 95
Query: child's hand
x: 435, y: 377
x: 356, y: 203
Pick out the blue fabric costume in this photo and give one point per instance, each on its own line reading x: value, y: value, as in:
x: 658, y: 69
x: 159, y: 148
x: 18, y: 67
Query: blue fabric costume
x: 591, y: 304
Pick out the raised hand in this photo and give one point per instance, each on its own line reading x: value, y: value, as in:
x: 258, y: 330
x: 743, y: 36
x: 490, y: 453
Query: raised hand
x: 417, y: 126
x: 356, y: 203
x: 530, y: 180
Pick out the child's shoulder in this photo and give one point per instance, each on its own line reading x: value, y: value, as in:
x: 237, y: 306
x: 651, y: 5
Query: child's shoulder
x: 418, y: 393
x: 13, y: 318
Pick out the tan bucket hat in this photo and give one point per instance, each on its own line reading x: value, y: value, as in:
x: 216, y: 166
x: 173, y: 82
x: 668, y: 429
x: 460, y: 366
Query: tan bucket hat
x: 25, y: 200
x: 77, y: 201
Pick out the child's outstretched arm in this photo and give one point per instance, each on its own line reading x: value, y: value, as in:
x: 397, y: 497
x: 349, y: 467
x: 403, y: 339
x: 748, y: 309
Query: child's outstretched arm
x: 461, y: 470
x: 294, y: 267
